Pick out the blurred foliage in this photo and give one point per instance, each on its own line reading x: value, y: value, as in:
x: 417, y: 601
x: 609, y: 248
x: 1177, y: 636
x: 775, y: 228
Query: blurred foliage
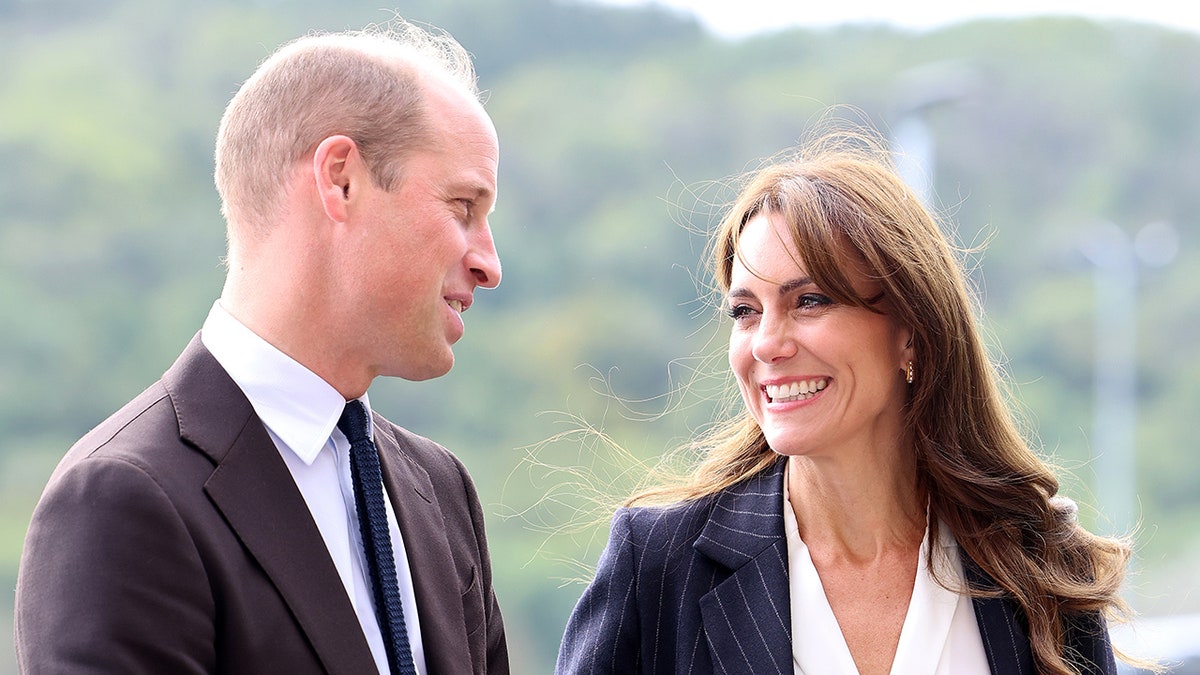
x: 619, y: 128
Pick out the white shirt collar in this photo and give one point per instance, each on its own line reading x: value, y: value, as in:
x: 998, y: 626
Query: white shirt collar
x: 939, y: 636
x: 293, y: 402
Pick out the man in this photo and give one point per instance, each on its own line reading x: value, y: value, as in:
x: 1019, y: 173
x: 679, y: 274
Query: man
x: 216, y: 522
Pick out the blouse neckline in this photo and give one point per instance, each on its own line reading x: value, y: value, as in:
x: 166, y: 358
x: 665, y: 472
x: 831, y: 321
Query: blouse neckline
x: 939, y: 636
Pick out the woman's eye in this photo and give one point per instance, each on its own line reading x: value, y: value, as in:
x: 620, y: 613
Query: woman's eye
x: 813, y: 301
x: 740, y: 311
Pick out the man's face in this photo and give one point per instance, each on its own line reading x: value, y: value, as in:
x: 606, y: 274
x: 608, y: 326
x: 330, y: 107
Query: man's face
x: 428, y: 245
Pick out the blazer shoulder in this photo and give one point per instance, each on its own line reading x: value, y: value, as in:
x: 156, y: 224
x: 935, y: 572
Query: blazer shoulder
x: 743, y: 517
x: 412, y: 442
x: 677, y: 514
x: 136, y: 433
x: 667, y: 531
x: 143, y: 412
x: 443, y: 466
x: 195, y: 404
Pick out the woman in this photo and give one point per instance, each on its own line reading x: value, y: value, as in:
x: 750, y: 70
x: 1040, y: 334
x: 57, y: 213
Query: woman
x: 876, y: 509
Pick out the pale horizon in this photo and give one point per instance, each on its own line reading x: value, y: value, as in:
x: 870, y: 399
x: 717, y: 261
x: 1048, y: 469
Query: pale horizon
x: 749, y: 17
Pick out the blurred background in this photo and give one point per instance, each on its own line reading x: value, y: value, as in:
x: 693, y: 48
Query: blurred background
x: 1064, y: 149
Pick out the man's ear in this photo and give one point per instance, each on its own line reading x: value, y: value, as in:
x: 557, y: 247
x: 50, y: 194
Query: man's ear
x: 337, y: 168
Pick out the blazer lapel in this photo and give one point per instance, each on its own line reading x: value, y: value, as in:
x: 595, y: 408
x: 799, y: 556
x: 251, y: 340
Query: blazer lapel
x: 439, y: 596
x: 1005, y: 634
x: 254, y: 490
x: 747, y: 617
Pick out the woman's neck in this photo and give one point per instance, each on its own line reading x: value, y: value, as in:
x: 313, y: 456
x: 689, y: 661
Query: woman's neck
x: 857, y: 510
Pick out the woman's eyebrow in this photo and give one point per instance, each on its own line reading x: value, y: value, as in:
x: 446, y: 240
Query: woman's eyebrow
x: 794, y: 285
x: 784, y: 288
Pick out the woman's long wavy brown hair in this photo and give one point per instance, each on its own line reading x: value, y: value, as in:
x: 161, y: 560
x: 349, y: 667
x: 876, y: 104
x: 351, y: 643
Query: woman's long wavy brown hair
x: 842, y: 196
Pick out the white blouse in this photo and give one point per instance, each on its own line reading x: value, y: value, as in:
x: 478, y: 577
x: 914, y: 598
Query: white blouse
x: 939, y: 636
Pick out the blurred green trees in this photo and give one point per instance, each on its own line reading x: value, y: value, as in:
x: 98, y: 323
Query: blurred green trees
x: 618, y: 130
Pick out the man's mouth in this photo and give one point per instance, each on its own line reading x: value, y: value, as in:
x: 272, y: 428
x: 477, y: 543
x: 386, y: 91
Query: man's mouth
x: 794, y: 391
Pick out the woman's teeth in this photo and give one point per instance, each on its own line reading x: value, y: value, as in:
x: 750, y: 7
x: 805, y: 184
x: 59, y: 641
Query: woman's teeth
x: 795, y: 391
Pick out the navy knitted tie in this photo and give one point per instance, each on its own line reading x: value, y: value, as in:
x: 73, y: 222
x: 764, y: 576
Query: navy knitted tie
x: 372, y: 522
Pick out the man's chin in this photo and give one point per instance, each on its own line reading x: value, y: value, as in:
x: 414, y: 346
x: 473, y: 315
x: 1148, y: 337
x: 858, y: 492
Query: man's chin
x: 425, y: 370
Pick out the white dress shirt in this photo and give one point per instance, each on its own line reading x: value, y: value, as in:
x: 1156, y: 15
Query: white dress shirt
x: 939, y: 637
x: 300, y: 412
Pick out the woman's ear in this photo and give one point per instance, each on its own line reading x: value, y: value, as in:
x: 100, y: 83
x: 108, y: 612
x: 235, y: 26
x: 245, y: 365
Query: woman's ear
x: 907, y: 351
x: 336, y: 168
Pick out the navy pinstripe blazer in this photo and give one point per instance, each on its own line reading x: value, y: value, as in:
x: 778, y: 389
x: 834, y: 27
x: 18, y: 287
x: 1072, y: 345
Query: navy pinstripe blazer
x: 702, y: 587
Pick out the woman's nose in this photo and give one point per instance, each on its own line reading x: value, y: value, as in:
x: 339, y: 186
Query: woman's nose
x: 773, y: 340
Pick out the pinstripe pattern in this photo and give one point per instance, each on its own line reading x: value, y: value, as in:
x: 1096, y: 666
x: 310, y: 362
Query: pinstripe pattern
x: 702, y: 587
x: 1005, y: 634
x: 690, y: 588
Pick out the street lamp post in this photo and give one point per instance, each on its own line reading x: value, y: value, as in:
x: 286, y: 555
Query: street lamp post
x: 1114, y: 272
x: 920, y: 90
x: 1116, y: 259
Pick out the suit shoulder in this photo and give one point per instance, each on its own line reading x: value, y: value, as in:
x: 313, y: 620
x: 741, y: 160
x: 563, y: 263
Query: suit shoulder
x: 679, y: 513
x: 143, y: 423
x: 410, y: 440
x: 442, y: 465
x: 671, y: 528
x: 142, y: 436
x: 415, y: 444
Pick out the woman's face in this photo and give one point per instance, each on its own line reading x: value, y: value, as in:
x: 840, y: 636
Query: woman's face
x: 819, y: 377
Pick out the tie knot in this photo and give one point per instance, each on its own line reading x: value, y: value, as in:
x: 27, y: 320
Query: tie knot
x: 354, y: 422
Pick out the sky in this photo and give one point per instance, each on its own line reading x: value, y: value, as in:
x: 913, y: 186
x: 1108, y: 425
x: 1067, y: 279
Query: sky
x: 739, y: 18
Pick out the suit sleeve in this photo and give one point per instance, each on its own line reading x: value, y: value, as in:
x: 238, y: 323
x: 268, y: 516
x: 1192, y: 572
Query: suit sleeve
x: 602, y: 632
x: 110, y: 580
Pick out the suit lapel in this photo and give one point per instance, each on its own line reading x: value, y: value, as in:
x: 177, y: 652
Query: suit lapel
x: 1005, y: 635
x: 254, y: 490
x: 439, y: 596
x: 747, y: 617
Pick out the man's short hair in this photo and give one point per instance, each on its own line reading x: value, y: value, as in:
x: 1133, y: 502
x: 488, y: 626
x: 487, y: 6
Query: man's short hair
x: 366, y: 85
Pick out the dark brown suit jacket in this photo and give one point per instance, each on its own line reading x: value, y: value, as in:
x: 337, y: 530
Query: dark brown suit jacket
x: 172, y: 539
